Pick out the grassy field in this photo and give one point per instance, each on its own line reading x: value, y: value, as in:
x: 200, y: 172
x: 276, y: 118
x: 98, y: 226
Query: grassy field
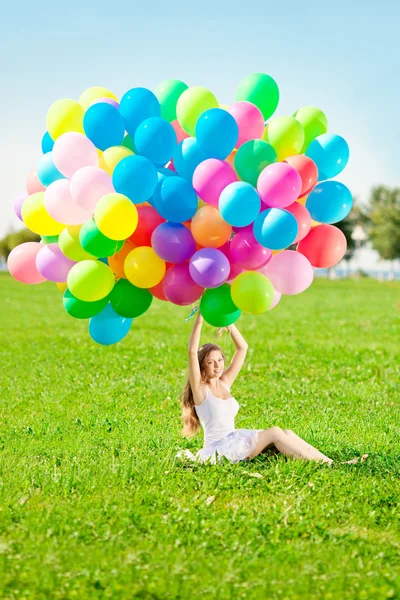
x: 93, y: 503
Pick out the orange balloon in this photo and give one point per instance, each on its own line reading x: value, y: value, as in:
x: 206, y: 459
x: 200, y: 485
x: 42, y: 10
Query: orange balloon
x: 209, y: 229
x: 231, y: 158
x: 116, y: 262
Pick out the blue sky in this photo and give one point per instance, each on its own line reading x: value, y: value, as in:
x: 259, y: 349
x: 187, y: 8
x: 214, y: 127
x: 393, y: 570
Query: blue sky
x: 340, y: 56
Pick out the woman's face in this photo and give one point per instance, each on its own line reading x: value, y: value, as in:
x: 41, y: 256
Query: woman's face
x: 214, y: 364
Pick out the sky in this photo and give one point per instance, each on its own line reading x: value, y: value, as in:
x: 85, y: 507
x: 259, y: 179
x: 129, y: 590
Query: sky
x: 340, y: 56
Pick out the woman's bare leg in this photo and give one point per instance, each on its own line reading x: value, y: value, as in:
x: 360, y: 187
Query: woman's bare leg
x: 305, y: 445
x: 287, y: 445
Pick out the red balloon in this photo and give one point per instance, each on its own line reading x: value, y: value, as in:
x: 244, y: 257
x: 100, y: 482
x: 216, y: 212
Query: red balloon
x: 157, y: 290
x: 179, y: 287
x: 324, y: 246
x: 33, y: 184
x: 303, y: 219
x: 307, y: 169
x: 149, y: 219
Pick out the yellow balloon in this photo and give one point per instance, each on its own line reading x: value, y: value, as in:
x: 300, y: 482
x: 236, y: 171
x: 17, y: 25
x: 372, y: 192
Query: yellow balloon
x: 89, y: 96
x: 286, y: 136
x: 70, y: 245
x: 224, y: 106
x: 116, y: 216
x: 314, y: 223
x: 62, y: 287
x: 36, y: 217
x: 111, y: 157
x: 302, y: 200
x: 143, y: 267
x: 64, y: 116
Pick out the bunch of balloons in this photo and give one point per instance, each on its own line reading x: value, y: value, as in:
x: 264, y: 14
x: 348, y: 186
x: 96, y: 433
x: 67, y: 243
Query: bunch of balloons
x: 169, y: 194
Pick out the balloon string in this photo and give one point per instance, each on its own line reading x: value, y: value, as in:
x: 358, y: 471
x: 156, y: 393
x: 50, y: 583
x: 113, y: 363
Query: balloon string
x: 193, y: 312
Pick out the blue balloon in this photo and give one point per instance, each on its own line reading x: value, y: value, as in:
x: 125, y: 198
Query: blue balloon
x: 155, y: 139
x: 175, y: 199
x: 239, y: 204
x: 137, y: 105
x: 47, y: 143
x: 330, y: 152
x: 329, y: 202
x: 217, y: 133
x: 47, y: 171
x: 135, y: 177
x: 104, y: 125
x: 103, y: 260
x: 275, y: 228
x: 108, y: 327
x: 187, y: 156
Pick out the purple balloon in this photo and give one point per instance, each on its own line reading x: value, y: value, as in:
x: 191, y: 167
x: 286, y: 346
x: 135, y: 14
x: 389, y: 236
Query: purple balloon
x: 209, y: 267
x: 53, y: 264
x: 18, y: 202
x: 178, y: 286
x: 173, y: 242
x: 107, y: 101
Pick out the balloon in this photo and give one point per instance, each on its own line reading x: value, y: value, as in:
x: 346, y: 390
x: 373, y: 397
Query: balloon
x: 104, y: 125
x: 175, y: 199
x: 135, y: 177
x: 209, y: 228
x: 155, y: 138
x: 47, y: 143
x: 218, y: 308
x: 90, y: 280
x: 46, y: 170
x: 210, y: 177
x: 149, y: 219
x: 36, y: 217
x: 290, y: 272
x: 209, y: 267
x: 239, y: 203
x: 63, y: 116
x: 107, y: 101
x: 330, y: 153
x: 251, y: 159
x: 277, y: 297
x: 180, y: 133
x: 157, y: 290
x: 216, y: 133
x: 314, y: 123
x: 117, y: 260
x: 179, y: 287
x: 285, y: 135
x: 112, y: 156
x: 168, y: 93
x: 21, y: 263
x: 18, y: 202
x: 128, y: 142
x: 80, y: 309
x: 33, y: 184
x: 137, y: 105
x: 173, y: 242
x: 303, y: 219
x: 53, y: 264
x: 261, y: 90
x: 50, y: 239
x: 72, y: 151
x: 108, y: 328
x: 187, y: 156
x: 249, y: 119
x: 93, y: 94
x: 88, y: 185
x: 279, y: 185
x: 60, y: 204
x: 61, y: 286
x: 143, y: 267
x: 95, y: 242
x: 246, y: 252
x: 70, y: 245
x: 329, y: 202
x: 275, y: 228
x: 116, y: 216
x: 128, y: 300
x: 252, y: 292
x: 192, y: 104
x: 307, y: 169
x: 324, y: 246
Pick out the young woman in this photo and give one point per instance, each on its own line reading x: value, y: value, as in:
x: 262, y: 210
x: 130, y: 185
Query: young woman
x: 207, y: 402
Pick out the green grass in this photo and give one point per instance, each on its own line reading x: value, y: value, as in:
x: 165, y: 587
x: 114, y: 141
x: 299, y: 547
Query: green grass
x: 94, y: 505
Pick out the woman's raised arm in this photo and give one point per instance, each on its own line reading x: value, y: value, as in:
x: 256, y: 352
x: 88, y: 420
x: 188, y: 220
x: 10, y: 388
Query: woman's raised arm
x: 194, y: 340
x: 231, y: 372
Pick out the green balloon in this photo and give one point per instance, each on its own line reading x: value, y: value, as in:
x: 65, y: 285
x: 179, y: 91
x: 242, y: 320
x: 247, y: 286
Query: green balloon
x: 49, y: 239
x: 191, y: 105
x: 70, y: 245
x: 168, y: 93
x: 261, y: 90
x: 251, y: 158
x: 252, y: 292
x: 130, y: 301
x: 90, y: 280
x: 218, y: 308
x: 79, y: 309
x: 314, y: 123
x: 96, y: 243
x: 128, y: 142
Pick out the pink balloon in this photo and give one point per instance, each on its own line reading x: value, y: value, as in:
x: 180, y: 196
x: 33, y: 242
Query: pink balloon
x: 60, y: 204
x: 234, y: 272
x: 106, y: 101
x: 33, y: 184
x: 249, y: 119
x: 277, y: 297
x: 303, y: 219
x: 88, y: 185
x: 279, y: 185
x: 53, y: 264
x: 21, y: 263
x: 210, y: 177
x: 180, y: 133
x: 178, y: 286
x: 289, y: 272
x: 72, y: 151
x: 18, y: 202
x: 247, y: 253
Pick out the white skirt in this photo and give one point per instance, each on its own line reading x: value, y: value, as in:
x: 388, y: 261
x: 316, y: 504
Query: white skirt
x: 236, y: 446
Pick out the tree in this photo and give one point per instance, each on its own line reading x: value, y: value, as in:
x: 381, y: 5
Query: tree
x: 384, y: 215
x: 15, y: 238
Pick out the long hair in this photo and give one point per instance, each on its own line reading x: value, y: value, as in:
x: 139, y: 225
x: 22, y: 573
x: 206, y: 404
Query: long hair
x: 190, y: 420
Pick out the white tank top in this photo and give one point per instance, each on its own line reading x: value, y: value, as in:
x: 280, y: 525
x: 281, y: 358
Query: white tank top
x: 217, y: 416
